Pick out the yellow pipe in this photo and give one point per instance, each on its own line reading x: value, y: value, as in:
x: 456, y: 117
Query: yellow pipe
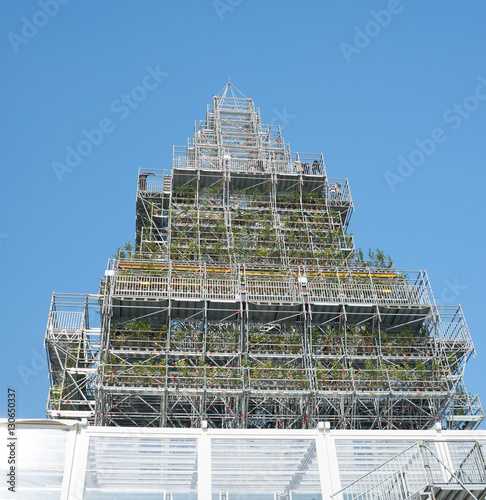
x: 163, y: 267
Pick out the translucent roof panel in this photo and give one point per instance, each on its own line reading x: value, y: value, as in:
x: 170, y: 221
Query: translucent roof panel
x: 358, y: 456
x: 261, y: 468
x: 140, y: 467
x: 40, y: 461
x: 71, y: 460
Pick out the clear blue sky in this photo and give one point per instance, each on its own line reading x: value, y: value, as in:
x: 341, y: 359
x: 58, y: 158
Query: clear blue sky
x: 363, y: 82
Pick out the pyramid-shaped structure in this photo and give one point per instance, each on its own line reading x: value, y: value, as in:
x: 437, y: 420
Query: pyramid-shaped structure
x: 244, y: 303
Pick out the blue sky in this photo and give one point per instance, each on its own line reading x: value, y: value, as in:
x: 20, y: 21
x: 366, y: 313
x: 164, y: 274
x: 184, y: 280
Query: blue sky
x: 392, y: 92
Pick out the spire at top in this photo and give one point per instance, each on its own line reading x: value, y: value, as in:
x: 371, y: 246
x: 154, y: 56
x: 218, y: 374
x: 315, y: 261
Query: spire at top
x: 233, y: 92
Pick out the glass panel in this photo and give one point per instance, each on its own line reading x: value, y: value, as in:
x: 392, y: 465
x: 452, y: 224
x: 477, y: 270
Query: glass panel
x: 262, y: 468
x: 40, y: 455
x: 141, y: 468
x: 356, y: 457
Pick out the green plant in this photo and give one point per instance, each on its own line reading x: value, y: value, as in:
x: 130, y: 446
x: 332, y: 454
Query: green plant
x: 322, y: 374
x: 56, y: 392
x: 110, y: 359
x: 140, y: 370
x: 183, y: 368
x: 123, y: 252
x: 421, y: 371
x: 376, y: 258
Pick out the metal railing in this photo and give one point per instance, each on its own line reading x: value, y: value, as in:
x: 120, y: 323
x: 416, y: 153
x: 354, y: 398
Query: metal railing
x: 418, y: 467
x: 452, y: 324
x: 295, y: 163
x: 329, y: 289
x: 152, y: 180
x: 373, y: 293
x: 67, y: 321
x: 338, y: 190
x: 206, y: 377
x: 257, y: 377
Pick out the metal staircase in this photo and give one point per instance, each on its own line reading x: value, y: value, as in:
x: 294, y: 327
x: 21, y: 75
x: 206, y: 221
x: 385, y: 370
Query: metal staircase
x: 435, y: 470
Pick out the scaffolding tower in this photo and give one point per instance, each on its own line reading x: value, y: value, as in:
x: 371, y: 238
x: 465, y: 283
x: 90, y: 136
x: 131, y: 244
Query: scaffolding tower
x: 244, y: 303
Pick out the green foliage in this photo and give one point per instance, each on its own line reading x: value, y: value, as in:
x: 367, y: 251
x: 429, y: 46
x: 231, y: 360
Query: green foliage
x: 139, y: 369
x: 336, y: 370
x: 321, y: 373
x: 187, y: 191
x: 124, y: 251
x: 184, y: 368
x: 140, y: 328
x: 56, y: 392
x: 72, y: 356
x: 375, y: 259
x: 111, y: 359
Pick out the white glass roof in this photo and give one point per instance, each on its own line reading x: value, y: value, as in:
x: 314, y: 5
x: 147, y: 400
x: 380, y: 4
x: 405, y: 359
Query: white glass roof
x: 69, y: 460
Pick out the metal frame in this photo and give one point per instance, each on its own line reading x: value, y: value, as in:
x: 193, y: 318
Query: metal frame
x: 244, y: 304
x: 72, y: 343
x: 203, y: 462
x: 421, y: 469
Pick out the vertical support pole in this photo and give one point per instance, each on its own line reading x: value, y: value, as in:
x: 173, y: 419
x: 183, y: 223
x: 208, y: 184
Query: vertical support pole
x: 226, y: 181
x: 68, y: 463
x: 242, y: 320
x: 327, y: 461
x: 243, y: 394
x: 443, y: 453
x: 75, y: 464
x: 169, y: 217
x: 307, y: 354
x: 205, y: 324
x: 204, y: 481
x: 245, y: 405
x: 198, y: 213
x: 347, y: 410
x: 163, y: 402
